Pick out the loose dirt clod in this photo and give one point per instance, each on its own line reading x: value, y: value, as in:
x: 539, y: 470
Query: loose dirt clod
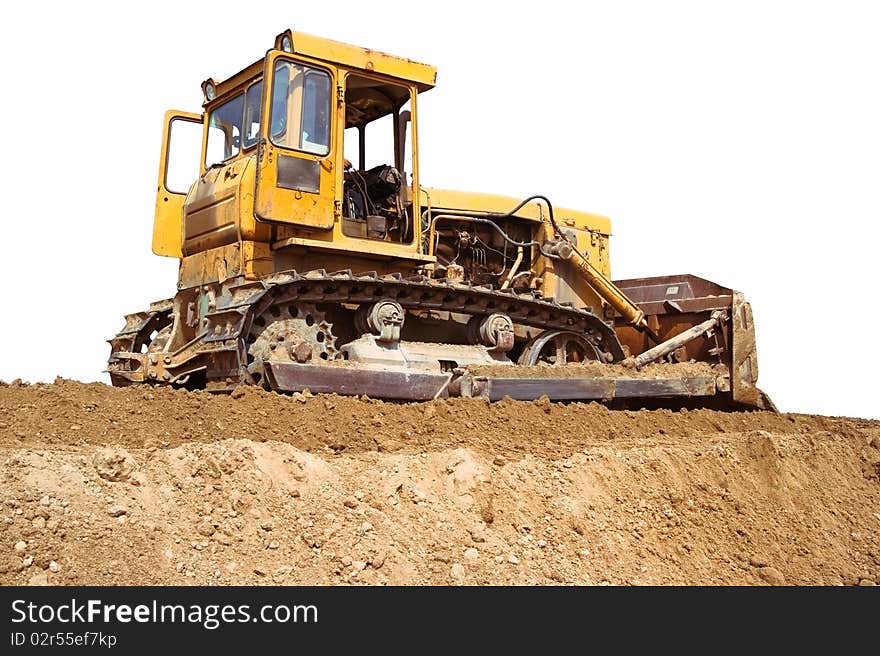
x: 113, y: 464
x: 168, y: 487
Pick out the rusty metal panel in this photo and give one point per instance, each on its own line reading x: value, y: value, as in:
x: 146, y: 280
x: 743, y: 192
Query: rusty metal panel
x: 686, y: 306
x: 599, y: 389
x: 744, y: 367
x: 676, y: 287
x: 299, y: 174
x: 674, y: 304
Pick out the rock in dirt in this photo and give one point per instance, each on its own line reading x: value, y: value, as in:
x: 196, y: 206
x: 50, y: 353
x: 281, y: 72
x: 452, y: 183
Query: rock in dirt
x: 477, y: 533
x: 205, y: 528
x: 772, y: 575
x: 39, y: 579
x: 113, y: 464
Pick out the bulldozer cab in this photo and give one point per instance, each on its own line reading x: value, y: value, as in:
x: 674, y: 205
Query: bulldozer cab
x: 329, y: 134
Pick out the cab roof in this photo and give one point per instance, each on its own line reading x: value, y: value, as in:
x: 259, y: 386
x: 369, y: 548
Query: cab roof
x: 423, y: 76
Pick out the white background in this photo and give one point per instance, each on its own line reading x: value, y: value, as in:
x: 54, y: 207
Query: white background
x: 736, y: 141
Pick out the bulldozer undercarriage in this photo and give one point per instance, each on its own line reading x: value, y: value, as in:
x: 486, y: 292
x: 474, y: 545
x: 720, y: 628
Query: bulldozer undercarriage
x: 345, y: 333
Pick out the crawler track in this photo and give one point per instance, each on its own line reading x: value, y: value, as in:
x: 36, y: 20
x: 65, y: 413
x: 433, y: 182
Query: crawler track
x: 220, y: 348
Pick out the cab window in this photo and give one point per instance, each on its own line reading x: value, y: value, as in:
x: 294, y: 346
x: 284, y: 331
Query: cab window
x: 224, y: 131
x: 301, y: 108
x: 253, y: 100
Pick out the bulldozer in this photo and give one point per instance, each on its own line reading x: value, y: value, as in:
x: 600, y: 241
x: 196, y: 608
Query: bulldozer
x: 313, y: 258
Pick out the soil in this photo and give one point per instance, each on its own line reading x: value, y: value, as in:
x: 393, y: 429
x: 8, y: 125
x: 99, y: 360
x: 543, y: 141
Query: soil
x: 154, y: 486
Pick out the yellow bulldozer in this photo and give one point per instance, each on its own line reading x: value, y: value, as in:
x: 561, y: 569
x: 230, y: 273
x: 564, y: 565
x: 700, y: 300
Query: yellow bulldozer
x: 312, y: 258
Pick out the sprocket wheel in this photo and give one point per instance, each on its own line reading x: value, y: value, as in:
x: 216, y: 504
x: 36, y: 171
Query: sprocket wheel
x: 289, y: 332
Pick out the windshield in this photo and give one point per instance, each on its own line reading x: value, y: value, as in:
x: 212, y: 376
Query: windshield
x: 301, y: 108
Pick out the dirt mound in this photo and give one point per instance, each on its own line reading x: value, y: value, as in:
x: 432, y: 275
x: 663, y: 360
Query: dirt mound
x: 155, y: 486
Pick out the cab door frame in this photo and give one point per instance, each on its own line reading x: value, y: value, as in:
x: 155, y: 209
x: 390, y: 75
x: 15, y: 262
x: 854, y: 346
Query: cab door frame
x: 296, y: 187
x: 168, y: 219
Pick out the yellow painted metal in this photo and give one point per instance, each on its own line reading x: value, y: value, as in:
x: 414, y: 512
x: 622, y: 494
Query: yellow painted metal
x: 444, y: 199
x: 555, y: 276
x: 275, y: 204
x: 219, y: 209
x: 250, y: 259
x: 375, y: 248
x: 254, y: 260
x: 603, y: 286
x: 210, y: 266
x: 345, y: 55
x: 236, y: 82
x: 168, y: 219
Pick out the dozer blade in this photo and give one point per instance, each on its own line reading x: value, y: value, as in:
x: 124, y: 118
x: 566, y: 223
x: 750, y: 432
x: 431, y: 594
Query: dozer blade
x: 674, y: 304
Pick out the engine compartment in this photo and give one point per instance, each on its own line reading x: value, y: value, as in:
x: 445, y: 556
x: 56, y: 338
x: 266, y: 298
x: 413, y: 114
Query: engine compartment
x: 485, y: 252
